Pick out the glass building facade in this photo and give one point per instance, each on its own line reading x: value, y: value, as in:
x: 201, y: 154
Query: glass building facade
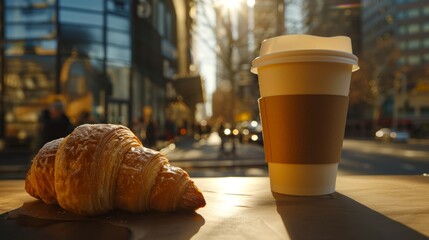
x: 77, y: 51
x: 98, y: 57
x: 396, y: 32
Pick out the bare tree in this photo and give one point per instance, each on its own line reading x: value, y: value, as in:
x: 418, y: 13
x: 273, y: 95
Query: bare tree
x: 378, y: 72
x: 234, y: 37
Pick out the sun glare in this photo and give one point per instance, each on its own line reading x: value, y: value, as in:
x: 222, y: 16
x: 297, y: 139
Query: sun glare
x: 229, y: 4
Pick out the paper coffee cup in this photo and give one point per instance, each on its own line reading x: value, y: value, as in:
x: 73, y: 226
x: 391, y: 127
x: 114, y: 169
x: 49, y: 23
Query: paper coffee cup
x: 305, y: 78
x: 304, y: 84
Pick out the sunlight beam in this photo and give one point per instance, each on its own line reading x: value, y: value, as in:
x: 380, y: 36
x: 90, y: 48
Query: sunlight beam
x: 229, y: 4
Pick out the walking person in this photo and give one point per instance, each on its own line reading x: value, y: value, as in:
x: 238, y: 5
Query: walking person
x: 57, y: 125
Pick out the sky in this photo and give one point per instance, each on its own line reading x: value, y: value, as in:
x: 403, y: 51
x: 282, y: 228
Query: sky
x: 205, y: 44
x: 205, y: 53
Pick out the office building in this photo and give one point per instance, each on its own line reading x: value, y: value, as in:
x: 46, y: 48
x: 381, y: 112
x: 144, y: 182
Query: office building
x: 235, y: 98
x: 120, y: 61
x: 396, y: 32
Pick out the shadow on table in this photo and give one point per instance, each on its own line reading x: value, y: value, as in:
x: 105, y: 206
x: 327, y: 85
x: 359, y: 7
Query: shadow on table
x: 337, y: 217
x: 36, y: 220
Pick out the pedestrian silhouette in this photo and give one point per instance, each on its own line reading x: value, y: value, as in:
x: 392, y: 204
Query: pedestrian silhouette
x: 84, y: 118
x: 221, y: 133
x: 57, y: 124
x: 44, y: 119
x: 151, y: 134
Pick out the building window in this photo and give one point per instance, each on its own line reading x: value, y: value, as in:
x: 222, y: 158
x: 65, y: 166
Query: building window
x: 118, y: 53
x: 413, y: 28
x: 30, y: 44
x: 91, y: 66
x: 426, y: 11
x: 165, y: 20
x: 27, y: 80
x: 402, y: 30
x: 81, y: 18
x: 118, y: 6
x: 38, y: 47
x: 29, y: 22
x: 426, y: 43
x: 72, y: 33
x: 29, y: 4
x: 161, y: 18
x: 31, y: 15
x: 79, y: 85
x: 117, y: 22
x: 400, y: 15
x: 426, y: 27
x: 414, y: 44
x: 117, y: 73
x: 413, y: 13
x: 94, y: 5
x: 414, y: 59
x: 118, y: 38
x: 91, y: 50
x: 30, y: 31
x: 402, y: 45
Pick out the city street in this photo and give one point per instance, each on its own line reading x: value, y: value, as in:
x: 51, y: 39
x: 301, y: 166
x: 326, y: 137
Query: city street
x: 203, y: 158
x: 370, y: 157
x: 359, y: 157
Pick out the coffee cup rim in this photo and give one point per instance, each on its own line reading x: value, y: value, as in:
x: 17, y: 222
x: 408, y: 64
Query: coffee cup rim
x: 306, y: 55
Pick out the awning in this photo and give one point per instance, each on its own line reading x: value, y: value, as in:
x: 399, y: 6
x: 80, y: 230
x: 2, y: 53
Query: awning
x: 191, y: 89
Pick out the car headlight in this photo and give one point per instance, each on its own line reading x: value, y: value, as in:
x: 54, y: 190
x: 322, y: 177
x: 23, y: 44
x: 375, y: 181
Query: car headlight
x: 235, y: 132
x: 254, y: 137
x: 227, y: 131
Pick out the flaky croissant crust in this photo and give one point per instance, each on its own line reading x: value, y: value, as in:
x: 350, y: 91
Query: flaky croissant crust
x: 100, y: 167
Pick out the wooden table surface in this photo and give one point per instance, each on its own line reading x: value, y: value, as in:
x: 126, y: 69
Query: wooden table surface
x: 364, y: 207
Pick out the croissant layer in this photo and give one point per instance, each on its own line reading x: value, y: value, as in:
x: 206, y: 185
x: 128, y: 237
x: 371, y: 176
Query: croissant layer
x: 100, y: 167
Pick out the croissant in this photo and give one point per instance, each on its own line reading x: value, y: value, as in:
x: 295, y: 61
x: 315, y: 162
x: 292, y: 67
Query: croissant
x: 101, y: 167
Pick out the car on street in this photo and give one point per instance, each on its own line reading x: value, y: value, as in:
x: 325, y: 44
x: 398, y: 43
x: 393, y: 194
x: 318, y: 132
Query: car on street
x: 250, y: 132
x: 392, y: 135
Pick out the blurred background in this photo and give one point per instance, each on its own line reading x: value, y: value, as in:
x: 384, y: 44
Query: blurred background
x: 177, y: 74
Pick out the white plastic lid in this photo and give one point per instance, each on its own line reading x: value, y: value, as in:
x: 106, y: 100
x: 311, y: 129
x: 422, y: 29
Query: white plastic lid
x: 305, y: 48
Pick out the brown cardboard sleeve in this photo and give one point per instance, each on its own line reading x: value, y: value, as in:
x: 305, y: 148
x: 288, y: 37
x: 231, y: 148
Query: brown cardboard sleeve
x: 303, y: 129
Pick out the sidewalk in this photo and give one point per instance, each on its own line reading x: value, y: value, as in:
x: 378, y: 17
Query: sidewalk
x: 203, y: 158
